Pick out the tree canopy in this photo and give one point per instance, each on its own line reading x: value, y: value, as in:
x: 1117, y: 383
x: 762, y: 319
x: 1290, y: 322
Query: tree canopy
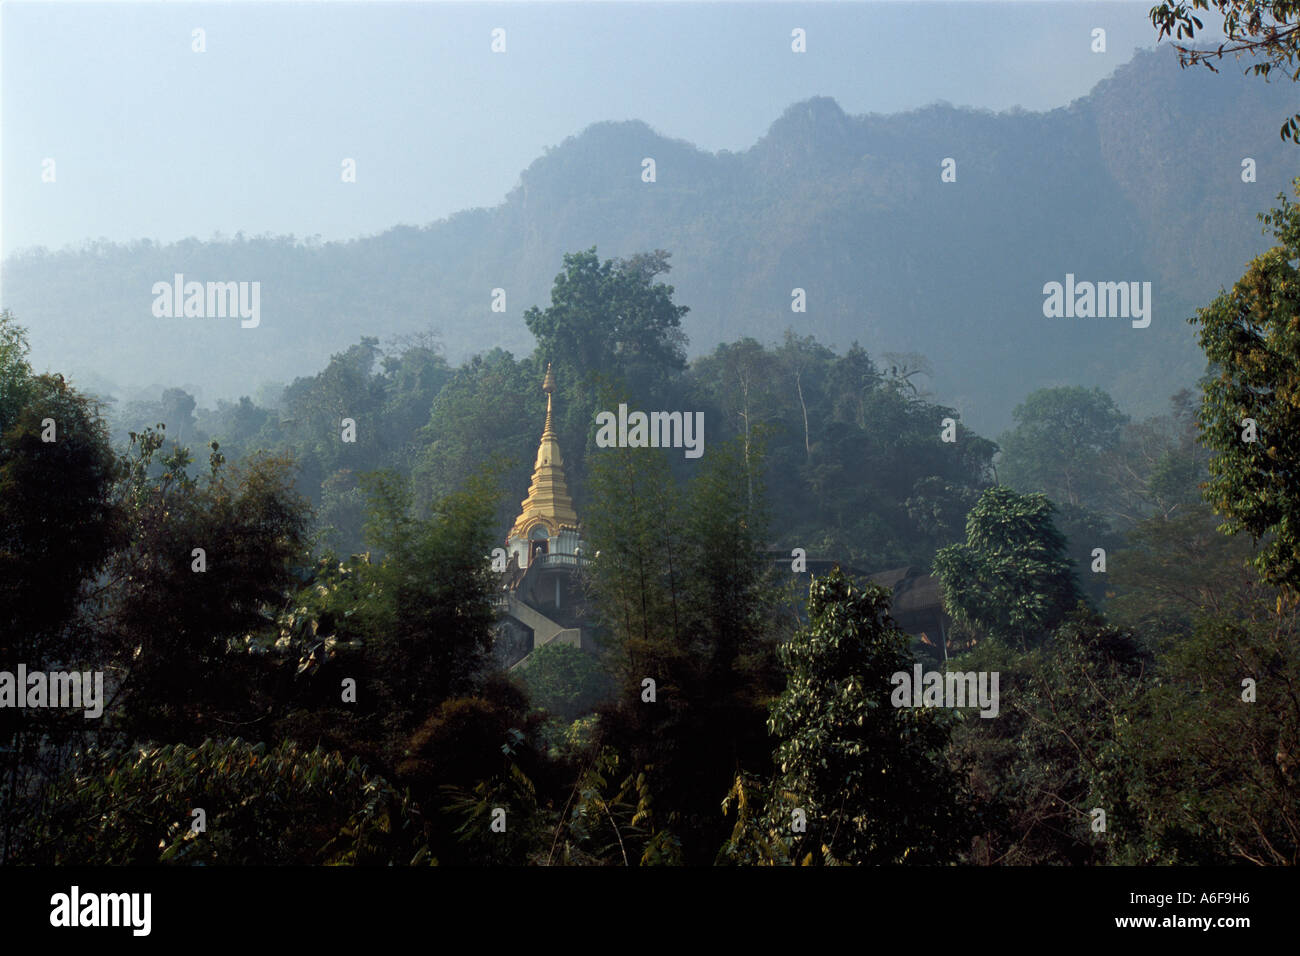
x: 1267, y: 30
x: 1250, y: 415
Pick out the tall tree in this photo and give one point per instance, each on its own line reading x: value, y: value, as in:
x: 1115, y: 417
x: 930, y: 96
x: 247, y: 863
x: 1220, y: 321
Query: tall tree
x: 740, y: 380
x: 15, y: 372
x: 1060, y: 439
x: 56, y: 521
x: 1158, y: 465
x: 611, y: 317
x: 1173, y: 570
x: 869, y: 778
x: 609, y: 325
x: 205, y: 560
x: 1214, y: 749
x: 679, y: 578
x: 435, y: 622
x: 491, y: 409
x: 1055, y: 751
x: 315, y: 407
x: 1250, y: 415
x: 57, y: 527
x: 1012, y: 578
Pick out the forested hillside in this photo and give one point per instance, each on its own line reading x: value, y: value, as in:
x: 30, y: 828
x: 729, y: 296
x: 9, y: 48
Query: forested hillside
x: 268, y: 558
x: 850, y: 209
x: 262, y: 670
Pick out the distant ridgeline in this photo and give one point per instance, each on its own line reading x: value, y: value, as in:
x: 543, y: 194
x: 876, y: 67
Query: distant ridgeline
x: 933, y: 231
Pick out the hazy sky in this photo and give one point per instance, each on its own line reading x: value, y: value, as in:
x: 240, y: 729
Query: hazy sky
x: 153, y: 140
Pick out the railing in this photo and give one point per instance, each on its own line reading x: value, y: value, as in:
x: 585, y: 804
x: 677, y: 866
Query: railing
x: 501, y: 599
x: 559, y: 560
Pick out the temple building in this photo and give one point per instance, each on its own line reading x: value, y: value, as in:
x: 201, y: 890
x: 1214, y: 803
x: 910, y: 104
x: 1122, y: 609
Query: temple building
x: 541, y: 596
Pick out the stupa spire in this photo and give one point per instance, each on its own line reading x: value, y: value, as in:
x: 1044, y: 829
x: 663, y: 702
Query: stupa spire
x: 548, y: 502
x: 548, y: 386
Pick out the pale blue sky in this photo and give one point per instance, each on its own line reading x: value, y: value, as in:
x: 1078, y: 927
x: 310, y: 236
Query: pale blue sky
x: 152, y: 140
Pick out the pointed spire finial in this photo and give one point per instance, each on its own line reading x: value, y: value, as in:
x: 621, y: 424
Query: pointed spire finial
x: 548, y: 386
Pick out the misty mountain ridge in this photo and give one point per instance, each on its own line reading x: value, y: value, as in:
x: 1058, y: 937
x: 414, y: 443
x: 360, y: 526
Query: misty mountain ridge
x: 1139, y: 181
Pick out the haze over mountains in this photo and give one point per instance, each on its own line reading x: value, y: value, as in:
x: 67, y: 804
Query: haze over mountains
x: 1141, y: 180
